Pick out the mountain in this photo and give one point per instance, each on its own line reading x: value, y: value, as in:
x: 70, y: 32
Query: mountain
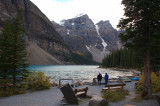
x: 81, y: 35
x: 109, y: 35
x: 44, y: 44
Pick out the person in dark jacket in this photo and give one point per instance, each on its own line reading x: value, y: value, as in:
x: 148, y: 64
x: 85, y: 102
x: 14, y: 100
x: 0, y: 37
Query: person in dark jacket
x: 99, y: 77
x: 106, y: 78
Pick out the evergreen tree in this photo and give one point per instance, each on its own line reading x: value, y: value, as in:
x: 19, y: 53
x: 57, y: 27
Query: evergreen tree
x: 5, y: 53
x: 142, y: 32
x: 12, y: 53
x: 19, y: 72
x: 123, y: 58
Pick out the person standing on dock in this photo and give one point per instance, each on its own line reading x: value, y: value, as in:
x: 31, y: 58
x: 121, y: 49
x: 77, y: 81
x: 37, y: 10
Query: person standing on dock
x: 106, y: 78
x: 99, y: 77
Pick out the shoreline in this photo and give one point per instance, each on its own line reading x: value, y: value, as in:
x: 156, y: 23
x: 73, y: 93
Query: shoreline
x: 134, y: 71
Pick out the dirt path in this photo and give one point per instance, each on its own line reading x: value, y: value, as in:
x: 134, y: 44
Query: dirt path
x: 51, y: 97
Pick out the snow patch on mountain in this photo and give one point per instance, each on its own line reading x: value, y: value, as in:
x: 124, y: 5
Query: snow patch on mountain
x: 95, y: 44
x: 68, y: 31
x: 88, y: 48
x: 62, y: 23
x: 103, y: 42
x: 80, y: 15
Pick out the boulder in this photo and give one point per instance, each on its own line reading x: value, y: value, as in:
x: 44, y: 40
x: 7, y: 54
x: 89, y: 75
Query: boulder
x: 98, y: 101
x: 54, y: 84
x: 79, y: 83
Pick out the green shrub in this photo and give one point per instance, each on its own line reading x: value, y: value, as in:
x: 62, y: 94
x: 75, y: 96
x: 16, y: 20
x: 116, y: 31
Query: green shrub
x: 114, y: 96
x: 4, y: 93
x: 7, y: 89
x: 35, y: 81
x: 38, y: 81
x: 155, y: 83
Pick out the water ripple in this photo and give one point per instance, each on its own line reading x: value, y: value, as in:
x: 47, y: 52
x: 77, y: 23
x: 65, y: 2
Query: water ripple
x: 77, y: 72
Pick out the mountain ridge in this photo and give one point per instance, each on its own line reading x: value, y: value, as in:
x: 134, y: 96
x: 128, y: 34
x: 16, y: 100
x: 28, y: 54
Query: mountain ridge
x: 99, y: 39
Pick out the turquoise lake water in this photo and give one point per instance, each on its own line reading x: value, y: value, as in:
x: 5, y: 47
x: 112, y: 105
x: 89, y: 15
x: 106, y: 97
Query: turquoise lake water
x: 84, y: 73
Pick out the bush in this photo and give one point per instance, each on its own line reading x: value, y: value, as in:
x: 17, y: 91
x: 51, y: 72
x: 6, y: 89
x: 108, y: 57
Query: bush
x: 114, y: 96
x: 155, y: 83
x: 7, y: 89
x: 38, y: 81
x: 35, y: 81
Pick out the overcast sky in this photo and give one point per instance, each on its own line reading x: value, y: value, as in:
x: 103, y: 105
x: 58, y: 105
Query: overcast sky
x: 97, y: 10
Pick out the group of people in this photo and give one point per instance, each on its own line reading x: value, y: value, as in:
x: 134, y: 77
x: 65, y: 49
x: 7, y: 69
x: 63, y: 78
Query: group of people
x: 99, y: 77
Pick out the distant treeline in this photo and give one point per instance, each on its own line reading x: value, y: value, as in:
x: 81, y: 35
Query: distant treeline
x: 122, y: 58
x: 81, y: 59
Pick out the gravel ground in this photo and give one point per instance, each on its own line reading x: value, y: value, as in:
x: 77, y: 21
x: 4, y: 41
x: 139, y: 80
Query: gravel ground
x: 49, y: 97
x: 53, y: 97
x: 132, y: 94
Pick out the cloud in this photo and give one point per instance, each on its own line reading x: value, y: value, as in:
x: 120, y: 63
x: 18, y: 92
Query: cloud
x: 97, y: 10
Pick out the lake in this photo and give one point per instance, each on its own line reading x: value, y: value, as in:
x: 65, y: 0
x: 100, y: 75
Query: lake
x: 84, y: 73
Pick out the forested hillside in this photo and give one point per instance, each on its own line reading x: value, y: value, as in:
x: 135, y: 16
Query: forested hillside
x: 123, y: 58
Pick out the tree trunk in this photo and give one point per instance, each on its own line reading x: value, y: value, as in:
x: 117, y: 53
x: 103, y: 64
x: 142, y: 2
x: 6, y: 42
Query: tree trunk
x: 14, y: 79
x: 147, y: 93
x: 5, y: 80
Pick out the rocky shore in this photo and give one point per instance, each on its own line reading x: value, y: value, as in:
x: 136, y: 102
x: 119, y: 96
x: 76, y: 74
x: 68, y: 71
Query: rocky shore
x: 134, y: 71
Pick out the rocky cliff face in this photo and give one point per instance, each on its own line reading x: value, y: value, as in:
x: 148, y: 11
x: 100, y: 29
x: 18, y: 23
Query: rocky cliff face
x: 78, y: 33
x: 109, y: 34
x: 37, y: 26
x: 82, y: 35
x: 75, y: 42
